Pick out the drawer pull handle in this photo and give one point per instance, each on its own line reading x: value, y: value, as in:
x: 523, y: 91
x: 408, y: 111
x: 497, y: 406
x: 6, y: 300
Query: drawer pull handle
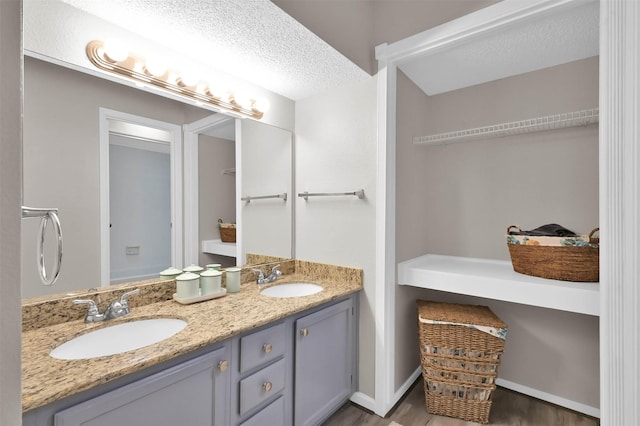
x: 223, y: 365
x: 304, y: 332
x: 267, y: 386
x: 266, y: 348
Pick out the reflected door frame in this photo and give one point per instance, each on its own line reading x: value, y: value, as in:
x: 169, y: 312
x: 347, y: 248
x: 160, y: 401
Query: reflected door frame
x: 175, y: 151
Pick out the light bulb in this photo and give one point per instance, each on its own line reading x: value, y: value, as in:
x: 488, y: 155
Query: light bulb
x: 242, y: 100
x: 261, y: 105
x: 155, y: 66
x: 218, y: 93
x: 173, y: 78
x: 115, y: 51
x: 188, y: 78
x: 137, y: 67
x: 139, y: 71
x: 201, y: 89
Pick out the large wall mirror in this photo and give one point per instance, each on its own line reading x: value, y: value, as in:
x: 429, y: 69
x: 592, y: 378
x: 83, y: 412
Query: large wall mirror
x: 62, y: 168
x: 259, y: 196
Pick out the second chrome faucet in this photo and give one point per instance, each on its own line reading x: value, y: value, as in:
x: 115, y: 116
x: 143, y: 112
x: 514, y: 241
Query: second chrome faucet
x: 273, y: 275
x: 116, y: 309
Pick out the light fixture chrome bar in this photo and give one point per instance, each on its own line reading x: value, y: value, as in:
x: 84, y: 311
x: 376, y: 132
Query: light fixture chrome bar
x: 264, y: 197
x: 132, y: 67
x: 359, y: 193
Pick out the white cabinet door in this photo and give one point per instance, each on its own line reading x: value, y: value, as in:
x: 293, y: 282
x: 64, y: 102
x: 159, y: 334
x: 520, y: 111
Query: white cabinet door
x: 323, y: 376
x: 193, y: 393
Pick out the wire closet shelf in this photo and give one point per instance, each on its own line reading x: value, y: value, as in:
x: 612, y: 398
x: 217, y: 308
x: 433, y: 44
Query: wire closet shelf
x: 549, y: 122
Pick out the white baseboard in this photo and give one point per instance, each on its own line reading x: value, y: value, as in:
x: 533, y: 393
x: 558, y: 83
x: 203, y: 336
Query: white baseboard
x: 554, y: 399
x: 369, y: 403
x: 363, y: 400
x: 405, y: 386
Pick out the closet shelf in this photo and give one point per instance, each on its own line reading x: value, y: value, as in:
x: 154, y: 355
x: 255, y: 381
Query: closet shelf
x: 218, y: 247
x: 549, y: 122
x: 496, y: 279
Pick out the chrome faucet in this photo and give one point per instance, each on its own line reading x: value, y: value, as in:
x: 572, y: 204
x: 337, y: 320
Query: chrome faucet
x: 273, y: 275
x: 116, y: 309
x: 119, y: 308
x: 93, y: 314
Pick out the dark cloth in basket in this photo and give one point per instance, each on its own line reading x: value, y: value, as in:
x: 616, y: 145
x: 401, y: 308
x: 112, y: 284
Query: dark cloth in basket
x: 550, y: 230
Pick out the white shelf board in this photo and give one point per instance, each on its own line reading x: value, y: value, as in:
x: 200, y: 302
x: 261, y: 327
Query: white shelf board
x: 496, y: 279
x: 218, y: 247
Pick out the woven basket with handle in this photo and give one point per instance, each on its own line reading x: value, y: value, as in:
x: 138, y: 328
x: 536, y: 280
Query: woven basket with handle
x: 557, y: 262
x: 227, y: 231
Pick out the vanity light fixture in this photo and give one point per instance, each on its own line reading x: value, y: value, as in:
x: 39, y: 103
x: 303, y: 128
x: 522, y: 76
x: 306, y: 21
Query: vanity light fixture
x: 115, y: 58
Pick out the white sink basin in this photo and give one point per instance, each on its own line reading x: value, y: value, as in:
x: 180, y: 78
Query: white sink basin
x: 291, y: 290
x: 118, y: 338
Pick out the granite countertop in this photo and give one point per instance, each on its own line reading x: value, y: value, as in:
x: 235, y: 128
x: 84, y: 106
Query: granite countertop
x: 46, y: 379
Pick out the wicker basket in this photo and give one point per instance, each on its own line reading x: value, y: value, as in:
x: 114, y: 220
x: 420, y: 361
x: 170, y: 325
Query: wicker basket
x: 557, y: 261
x: 227, y: 231
x: 459, y: 360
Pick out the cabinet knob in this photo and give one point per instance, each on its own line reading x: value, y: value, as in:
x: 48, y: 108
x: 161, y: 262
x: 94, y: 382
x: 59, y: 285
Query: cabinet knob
x: 266, y: 386
x: 266, y: 348
x: 223, y: 365
x: 304, y: 332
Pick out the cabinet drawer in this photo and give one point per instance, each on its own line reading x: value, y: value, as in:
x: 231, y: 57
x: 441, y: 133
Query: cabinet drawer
x: 261, y: 385
x: 261, y: 347
x: 272, y: 414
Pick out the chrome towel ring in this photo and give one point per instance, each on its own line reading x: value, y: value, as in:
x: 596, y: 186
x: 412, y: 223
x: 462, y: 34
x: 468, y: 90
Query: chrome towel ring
x: 45, y: 216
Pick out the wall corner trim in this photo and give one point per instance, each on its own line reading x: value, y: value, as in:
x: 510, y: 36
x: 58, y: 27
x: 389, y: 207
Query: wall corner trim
x: 619, y: 212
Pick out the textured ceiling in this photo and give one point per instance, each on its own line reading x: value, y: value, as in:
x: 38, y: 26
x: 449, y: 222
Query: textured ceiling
x: 257, y: 42
x: 251, y: 39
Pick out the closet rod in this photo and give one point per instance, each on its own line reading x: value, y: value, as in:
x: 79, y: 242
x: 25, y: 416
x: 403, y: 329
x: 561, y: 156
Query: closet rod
x: 359, y: 193
x: 549, y: 122
x: 264, y: 197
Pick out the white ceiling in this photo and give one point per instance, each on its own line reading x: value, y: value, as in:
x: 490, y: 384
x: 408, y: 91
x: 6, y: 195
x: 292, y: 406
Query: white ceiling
x: 556, y: 38
x: 252, y: 40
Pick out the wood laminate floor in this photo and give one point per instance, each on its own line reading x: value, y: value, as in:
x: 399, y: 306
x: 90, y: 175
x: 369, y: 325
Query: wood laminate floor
x: 508, y: 408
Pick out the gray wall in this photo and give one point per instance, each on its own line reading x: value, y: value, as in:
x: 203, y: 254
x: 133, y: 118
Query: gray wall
x: 10, y: 182
x: 459, y: 199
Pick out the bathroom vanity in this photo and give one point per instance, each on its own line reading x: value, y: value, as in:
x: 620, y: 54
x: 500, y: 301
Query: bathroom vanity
x: 243, y: 359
